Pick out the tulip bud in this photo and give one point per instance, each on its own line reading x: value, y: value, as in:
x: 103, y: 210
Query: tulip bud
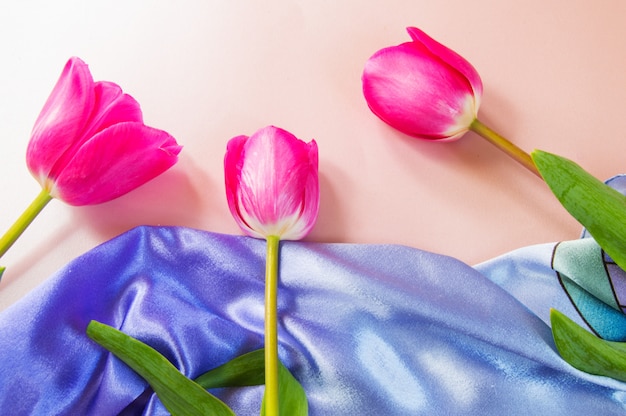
x: 428, y: 91
x: 422, y: 88
x: 272, y: 184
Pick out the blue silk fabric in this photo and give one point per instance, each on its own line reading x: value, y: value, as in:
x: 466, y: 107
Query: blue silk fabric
x: 366, y: 329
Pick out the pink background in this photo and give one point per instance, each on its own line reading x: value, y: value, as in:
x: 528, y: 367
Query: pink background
x: 207, y: 70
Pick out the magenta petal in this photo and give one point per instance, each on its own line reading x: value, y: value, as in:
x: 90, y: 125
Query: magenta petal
x: 114, y: 162
x: 112, y: 106
x: 451, y: 58
x: 278, y: 174
x: 61, y: 120
x: 232, y: 168
x: 310, y: 200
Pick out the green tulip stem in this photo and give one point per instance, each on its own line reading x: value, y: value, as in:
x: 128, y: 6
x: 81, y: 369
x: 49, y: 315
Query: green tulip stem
x: 505, y: 145
x: 18, y: 227
x: 271, y: 326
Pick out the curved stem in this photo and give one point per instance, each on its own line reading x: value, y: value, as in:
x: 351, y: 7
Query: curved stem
x: 271, y: 326
x: 18, y: 227
x: 506, y: 146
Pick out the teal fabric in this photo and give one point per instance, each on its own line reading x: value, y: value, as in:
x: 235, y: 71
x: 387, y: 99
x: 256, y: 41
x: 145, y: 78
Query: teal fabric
x: 591, y: 280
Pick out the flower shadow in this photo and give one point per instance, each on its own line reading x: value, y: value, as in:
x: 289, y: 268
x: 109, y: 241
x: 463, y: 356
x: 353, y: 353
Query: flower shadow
x: 331, y: 225
x: 168, y: 200
x: 25, y: 270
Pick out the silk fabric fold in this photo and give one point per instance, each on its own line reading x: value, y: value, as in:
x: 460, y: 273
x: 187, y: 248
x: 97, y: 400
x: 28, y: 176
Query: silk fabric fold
x: 366, y: 329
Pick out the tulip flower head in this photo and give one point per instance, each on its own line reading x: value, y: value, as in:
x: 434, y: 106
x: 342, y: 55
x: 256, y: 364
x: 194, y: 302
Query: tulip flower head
x: 428, y: 91
x: 422, y: 88
x: 272, y: 184
x: 89, y: 144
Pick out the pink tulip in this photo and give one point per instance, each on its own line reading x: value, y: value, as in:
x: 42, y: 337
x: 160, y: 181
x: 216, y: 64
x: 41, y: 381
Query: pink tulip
x: 272, y: 184
x: 422, y: 88
x: 272, y: 190
x: 89, y: 144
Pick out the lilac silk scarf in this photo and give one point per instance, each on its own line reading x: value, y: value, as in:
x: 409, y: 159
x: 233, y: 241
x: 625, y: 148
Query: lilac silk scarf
x: 366, y: 329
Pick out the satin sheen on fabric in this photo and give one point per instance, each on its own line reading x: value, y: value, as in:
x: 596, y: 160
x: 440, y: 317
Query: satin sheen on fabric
x: 367, y: 329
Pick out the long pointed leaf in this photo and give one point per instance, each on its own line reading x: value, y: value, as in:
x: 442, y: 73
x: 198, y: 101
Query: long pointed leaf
x: 585, y: 351
x: 598, y: 207
x: 291, y: 395
x: 245, y: 370
x: 249, y: 370
x: 180, y: 395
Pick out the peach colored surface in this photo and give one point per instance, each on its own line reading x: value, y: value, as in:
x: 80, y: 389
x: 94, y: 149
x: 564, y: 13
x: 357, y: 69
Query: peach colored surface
x: 206, y: 70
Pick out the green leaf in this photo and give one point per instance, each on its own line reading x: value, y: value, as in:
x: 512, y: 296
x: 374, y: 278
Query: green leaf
x: 180, y: 395
x: 291, y: 395
x: 245, y: 370
x: 249, y: 370
x: 2, y: 269
x: 585, y: 351
x: 598, y: 207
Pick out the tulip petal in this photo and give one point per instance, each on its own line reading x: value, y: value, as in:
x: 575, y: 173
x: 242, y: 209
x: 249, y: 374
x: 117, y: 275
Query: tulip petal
x: 311, y: 200
x: 112, y: 107
x: 61, y: 120
x: 232, y: 167
x: 114, y: 162
x: 410, y: 90
x: 452, y: 58
x: 276, y: 174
